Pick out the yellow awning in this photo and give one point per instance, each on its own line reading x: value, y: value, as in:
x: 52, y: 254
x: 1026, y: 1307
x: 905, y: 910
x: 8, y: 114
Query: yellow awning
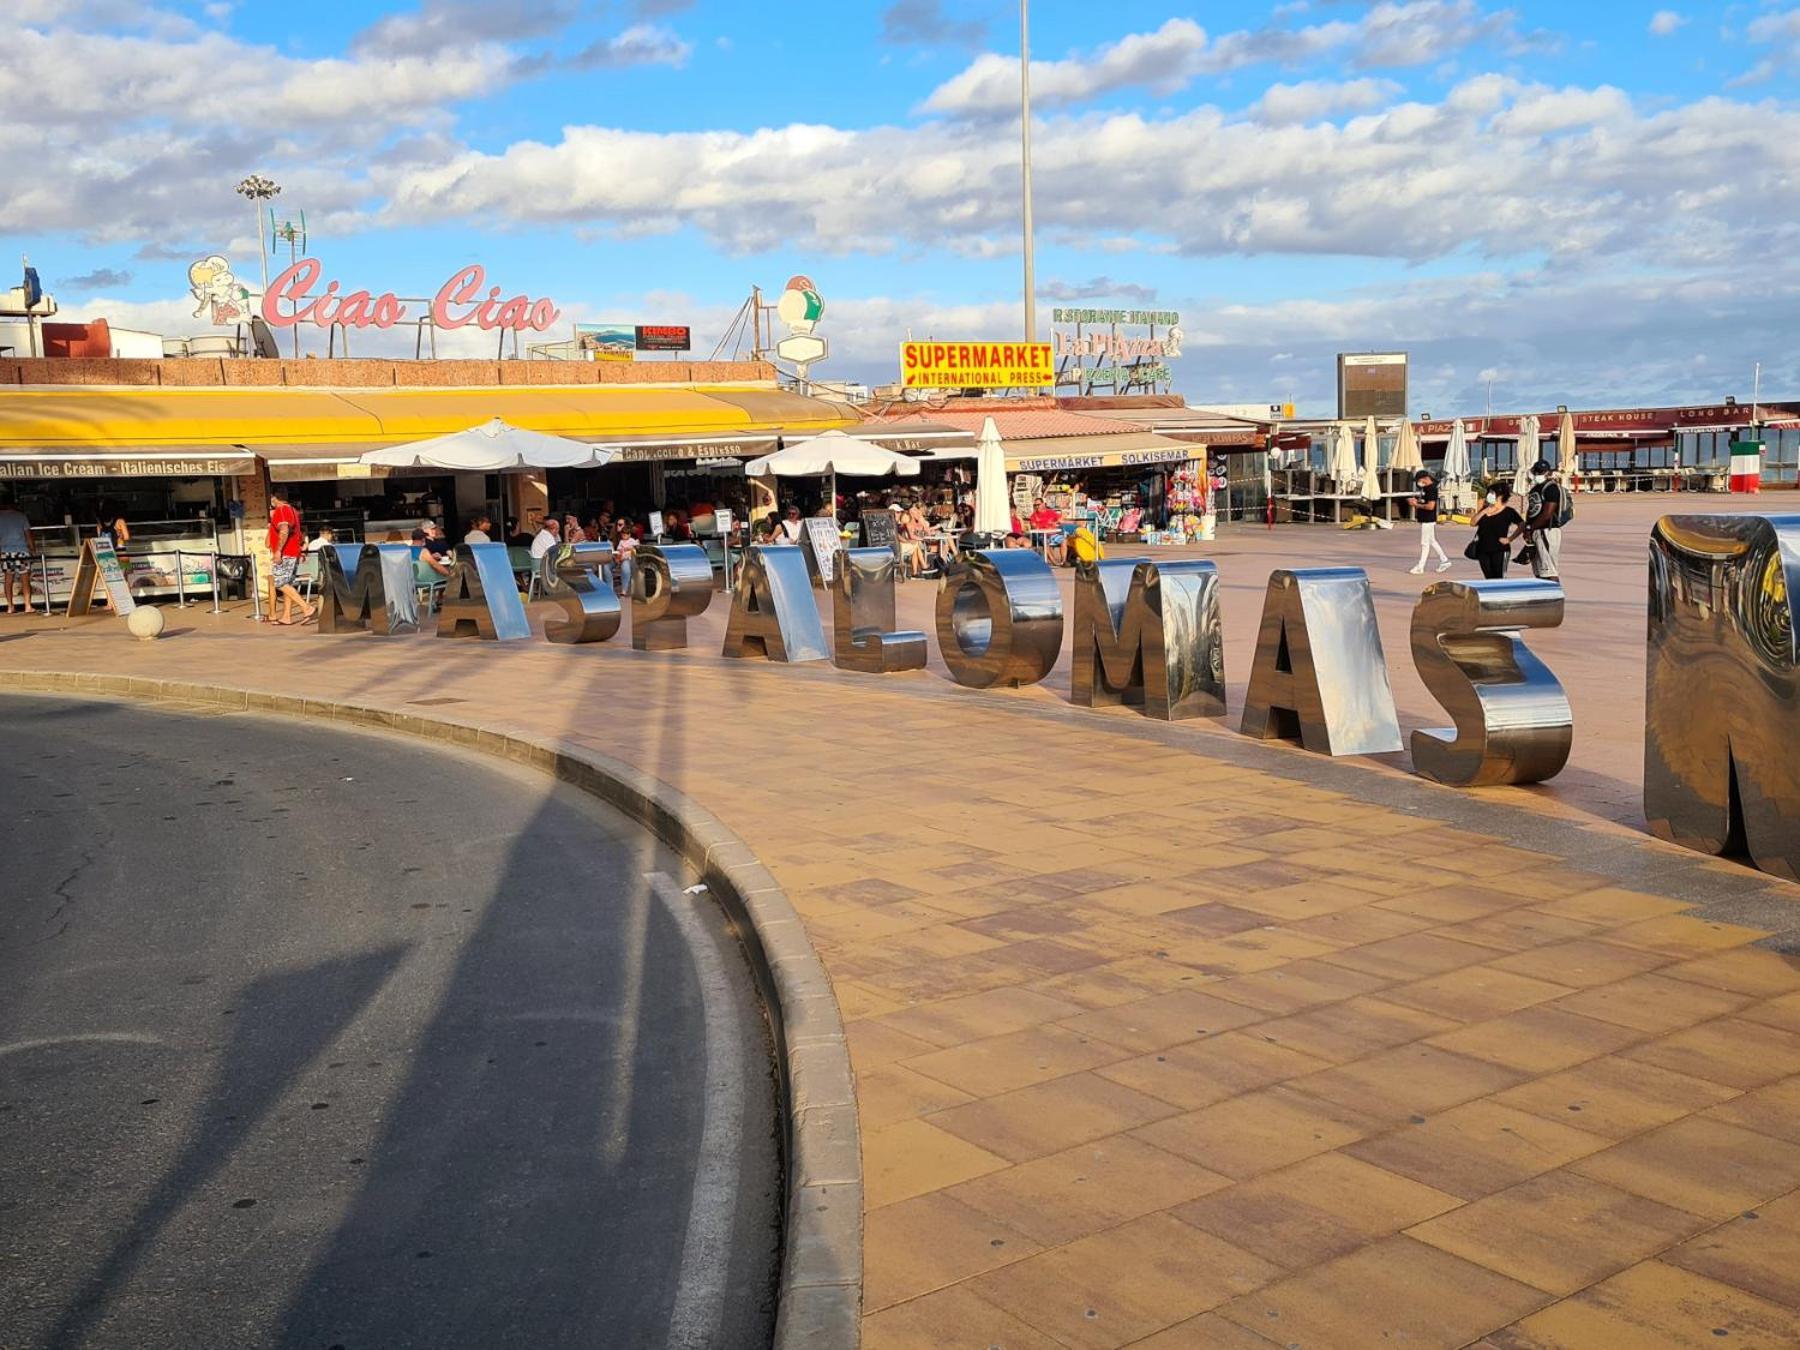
x: 82, y: 418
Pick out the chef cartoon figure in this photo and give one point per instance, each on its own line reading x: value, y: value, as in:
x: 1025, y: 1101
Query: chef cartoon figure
x: 217, y: 291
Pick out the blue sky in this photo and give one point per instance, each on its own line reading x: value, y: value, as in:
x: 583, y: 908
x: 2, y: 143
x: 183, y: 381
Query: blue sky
x: 1580, y: 204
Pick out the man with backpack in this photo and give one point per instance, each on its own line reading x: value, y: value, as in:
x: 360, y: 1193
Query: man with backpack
x: 1547, y: 510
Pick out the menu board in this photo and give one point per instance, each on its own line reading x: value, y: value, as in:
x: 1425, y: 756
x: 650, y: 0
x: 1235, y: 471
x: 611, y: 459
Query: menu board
x: 879, y: 529
x: 99, y: 566
x: 822, y: 538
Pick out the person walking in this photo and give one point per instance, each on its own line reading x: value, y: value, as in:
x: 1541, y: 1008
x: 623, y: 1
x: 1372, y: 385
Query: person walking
x: 15, y: 552
x: 1547, y: 511
x: 285, y: 546
x: 1424, y: 503
x: 1497, y: 526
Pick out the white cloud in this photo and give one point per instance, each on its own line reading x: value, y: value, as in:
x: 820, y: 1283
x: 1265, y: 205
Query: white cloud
x: 1162, y: 61
x: 1388, y: 35
x: 643, y: 44
x: 1664, y: 22
x: 1780, y: 31
x: 1311, y: 100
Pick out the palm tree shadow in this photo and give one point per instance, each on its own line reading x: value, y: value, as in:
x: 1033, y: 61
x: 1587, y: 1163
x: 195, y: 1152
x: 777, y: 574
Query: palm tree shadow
x: 284, y: 1021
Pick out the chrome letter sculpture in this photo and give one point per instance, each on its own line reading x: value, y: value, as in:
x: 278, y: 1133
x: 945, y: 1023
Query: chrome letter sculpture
x: 1319, y: 673
x: 481, y: 599
x: 671, y: 584
x: 1148, y: 633
x: 772, y: 610
x: 1002, y: 624
x: 379, y: 595
x: 862, y: 616
x: 1722, y: 725
x: 1513, y: 723
x: 584, y: 593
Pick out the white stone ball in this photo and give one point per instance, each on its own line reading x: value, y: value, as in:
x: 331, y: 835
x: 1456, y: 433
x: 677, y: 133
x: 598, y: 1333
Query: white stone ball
x: 146, y: 622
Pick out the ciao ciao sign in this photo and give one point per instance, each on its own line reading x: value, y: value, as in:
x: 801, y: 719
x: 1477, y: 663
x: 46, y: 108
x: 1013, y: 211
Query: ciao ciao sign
x: 1723, y: 708
x: 459, y: 302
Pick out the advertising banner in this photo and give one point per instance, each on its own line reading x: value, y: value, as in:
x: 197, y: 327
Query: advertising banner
x: 662, y: 337
x: 976, y: 365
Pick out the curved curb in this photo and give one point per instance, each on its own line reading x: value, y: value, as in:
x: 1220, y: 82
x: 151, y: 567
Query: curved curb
x: 820, y: 1287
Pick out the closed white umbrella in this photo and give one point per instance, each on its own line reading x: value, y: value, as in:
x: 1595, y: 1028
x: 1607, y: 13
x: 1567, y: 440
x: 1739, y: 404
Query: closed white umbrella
x: 493, y: 447
x: 1565, y: 446
x: 1371, y: 486
x: 1342, y: 465
x: 1406, y: 449
x: 1456, y: 455
x: 992, y: 509
x: 1529, y: 435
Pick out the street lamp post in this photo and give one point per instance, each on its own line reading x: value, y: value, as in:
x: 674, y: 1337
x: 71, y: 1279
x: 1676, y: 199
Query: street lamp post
x: 1025, y: 160
x: 258, y: 190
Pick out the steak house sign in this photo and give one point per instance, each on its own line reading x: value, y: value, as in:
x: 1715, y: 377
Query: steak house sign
x: 458, y: 303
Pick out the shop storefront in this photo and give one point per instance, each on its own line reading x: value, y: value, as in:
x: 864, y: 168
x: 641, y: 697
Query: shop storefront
x: 192, y: 467
x: 1129, y: 485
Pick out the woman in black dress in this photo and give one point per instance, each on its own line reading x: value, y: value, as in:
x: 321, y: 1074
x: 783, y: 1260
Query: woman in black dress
x: 1497, y: 525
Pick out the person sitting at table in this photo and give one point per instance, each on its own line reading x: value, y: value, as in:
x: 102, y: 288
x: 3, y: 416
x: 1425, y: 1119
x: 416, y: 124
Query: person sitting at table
x: 432, y: 549
x: 323, y: 539
x: 478, y: 531
x: 1045, y: 518
x: 1016, y: 535
x: 790, y: 529
x: 912, y: 547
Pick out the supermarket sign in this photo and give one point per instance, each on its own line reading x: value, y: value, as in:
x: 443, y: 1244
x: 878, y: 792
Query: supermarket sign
x: 976, y: 365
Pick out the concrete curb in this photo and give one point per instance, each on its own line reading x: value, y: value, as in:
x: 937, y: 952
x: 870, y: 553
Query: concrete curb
x: 820, y: 1289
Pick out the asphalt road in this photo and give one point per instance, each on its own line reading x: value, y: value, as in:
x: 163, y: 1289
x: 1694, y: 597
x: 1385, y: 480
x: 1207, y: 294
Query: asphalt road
x: 318, y: 1038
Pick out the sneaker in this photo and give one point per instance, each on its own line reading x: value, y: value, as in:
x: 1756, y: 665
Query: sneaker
x: 1444, y: 566
x: 1418, y: 571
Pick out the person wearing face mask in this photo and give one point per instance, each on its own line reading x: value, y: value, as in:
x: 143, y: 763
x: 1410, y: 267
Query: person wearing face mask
x: 1497, y: 525
x: 1547, y: 510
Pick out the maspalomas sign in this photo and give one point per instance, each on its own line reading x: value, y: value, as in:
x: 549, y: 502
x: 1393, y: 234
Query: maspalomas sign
x: 1724, y: 669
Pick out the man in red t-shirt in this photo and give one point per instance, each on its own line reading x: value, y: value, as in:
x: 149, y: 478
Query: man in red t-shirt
x: 285, y: 547
x: 1044, y: 519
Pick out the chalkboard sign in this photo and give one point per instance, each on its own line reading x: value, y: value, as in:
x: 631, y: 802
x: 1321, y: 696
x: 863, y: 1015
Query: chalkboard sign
x: 822, y: 540
x: 99, y: 566
x: 879, y: 529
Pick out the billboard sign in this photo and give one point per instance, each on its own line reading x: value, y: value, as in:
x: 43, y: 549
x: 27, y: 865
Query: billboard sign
x: 607, y: 341
x: 1371, y: 384
x: 976, y: 365
x: 662, y: 337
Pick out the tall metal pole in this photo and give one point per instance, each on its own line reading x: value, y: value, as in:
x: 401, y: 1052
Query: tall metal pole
x: 262, y: 254
x: 1025, y: 147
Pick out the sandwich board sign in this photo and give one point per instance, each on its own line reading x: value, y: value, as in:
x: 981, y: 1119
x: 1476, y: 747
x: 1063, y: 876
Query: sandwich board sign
x: 822, y: 543
x: 98, y: 566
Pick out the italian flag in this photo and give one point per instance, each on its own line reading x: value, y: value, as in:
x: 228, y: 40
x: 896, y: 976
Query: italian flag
x: 1746, y: 466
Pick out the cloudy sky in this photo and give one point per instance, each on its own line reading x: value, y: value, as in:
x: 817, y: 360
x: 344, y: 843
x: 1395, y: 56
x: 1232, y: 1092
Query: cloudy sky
x: 1589, y: 204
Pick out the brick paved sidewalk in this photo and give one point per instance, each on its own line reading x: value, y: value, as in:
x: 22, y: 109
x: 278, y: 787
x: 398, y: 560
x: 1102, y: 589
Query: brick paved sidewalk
x: 1170, y: 1039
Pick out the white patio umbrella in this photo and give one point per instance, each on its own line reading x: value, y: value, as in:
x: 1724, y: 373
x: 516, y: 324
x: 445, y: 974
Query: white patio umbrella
x: 1371, y: 483
x: 992, y: 511
x: 827, y: 455
x: 1341, y: 467
x: 492, y: 447
x: 1456, y: 455
x: 1565, y: 446
x: 1529, y: 436
x: 1406, y: 449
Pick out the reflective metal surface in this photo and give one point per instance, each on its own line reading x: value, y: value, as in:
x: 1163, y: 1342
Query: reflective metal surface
x: 1319, y: 674
x: 773, y: 614
x: 1513, y: 723
x: 1149, y: 634
x: 584, y: 592
x: 1000, y: 623
x: 862, y: 616
x: 481, y: 599
x: 670, y: 584
x: 1722, y: 723
x: 379, y: 594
